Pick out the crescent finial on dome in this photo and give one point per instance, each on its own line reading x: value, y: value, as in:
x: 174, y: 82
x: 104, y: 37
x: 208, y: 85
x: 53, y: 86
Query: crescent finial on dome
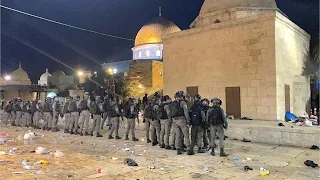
x: 20, y: 65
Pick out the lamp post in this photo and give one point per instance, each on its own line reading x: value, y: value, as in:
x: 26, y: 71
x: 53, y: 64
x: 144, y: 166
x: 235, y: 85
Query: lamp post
x: 110, y: 82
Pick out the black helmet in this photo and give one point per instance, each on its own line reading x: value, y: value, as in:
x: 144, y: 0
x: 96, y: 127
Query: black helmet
x: 197, y: 97
x: 165, y: 98
x: 156, y: 95
x: 216, y: 101
x: 179, y: 94
x: 205, y: 100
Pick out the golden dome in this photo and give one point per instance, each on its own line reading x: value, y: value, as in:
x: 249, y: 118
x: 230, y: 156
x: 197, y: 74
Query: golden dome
x: 151, y: 33
x: 218, y: 5
x: 19, y: 77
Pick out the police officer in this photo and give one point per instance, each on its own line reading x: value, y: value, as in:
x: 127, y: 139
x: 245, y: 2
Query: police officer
x: 182, y: 120
x: 114, y: 116
x: 34, y: 114
x: 131, y: 113
x: 155, y: 123
x: 197, y: 120
x: 217, y: 121
x: 107, y: 109
x: 67, y: 115
x: 84, y: 115
x: 26, y: 117
x: 205, y: 108
x: 13, y: 113
x: 7, y: 110
x: 47, y: 114
x: 18, y: 112
x: 165, y: 121
x: 74, y: 115
x: 56, y: 106
x: 96, y: 110
x: 147, y: 118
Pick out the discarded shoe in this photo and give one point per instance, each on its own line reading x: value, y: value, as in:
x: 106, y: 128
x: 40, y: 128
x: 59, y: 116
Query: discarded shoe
x: 314, y: 147
x: 130, y: 162
x: 245, y: 140
x: 310, y: 163
x: 247, y: 168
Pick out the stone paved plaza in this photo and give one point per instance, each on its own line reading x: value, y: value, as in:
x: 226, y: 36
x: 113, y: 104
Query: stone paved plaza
x: 84, y: 155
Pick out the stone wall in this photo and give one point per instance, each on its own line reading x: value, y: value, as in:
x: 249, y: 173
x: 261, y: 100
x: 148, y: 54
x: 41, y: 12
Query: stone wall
x: 157, y: 75
x: 237, y: 53
x: 292, y: 48
x: 24, y: 95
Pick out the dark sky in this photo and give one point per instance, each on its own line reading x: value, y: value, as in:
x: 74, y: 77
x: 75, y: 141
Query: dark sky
x: 23, y: 38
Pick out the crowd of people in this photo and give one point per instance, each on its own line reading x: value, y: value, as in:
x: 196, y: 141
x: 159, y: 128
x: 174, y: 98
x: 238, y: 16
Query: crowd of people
x: 164, y: 119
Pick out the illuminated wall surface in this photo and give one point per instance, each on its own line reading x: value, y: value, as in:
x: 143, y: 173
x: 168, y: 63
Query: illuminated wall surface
x: 148, y: 51
x: 121, y: 66
x: 258, y: 52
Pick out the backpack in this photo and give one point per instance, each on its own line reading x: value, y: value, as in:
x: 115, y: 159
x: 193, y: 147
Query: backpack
x: 65, y: 108
x: 46, y: 107
x: 83, y: 104
x: 128, y: 113
x: 93, y: 107
x: 17, y: 107
x: 196, y: 116
x: 215, y: 116
x: 33, y: 108
x: 24, y: 108
x: 175, y: 109
x: 73, y: 106
x: 161, y: 113
x: 148, y: 111
x: 8, y: 108
x: 57, y: 107
x: 113, y: 111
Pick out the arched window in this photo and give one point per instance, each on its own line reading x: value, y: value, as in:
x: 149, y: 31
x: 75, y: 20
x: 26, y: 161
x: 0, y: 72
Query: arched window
x: 148, y: 53
x: 158, y: 53
x: 140, y: 54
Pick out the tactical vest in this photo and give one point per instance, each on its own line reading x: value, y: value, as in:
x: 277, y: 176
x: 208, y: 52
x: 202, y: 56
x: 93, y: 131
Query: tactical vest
x: 215, y: 116
x: 175, y: 109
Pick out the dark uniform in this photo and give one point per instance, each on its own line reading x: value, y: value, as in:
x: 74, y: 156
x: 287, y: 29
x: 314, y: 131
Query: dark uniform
x: 131, y: 113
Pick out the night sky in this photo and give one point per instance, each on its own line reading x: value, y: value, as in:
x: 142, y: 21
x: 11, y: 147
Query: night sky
x: 24, y: 37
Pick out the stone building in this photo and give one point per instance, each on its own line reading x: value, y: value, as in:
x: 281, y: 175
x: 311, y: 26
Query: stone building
x: 19, y: 85
x: 60, y: 81
x: 147, y: 65
x: 43, y: 81
x: 246, y: 52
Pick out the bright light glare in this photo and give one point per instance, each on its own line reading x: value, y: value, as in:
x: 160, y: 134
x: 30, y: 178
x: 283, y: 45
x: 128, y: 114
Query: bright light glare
x: 80, y: 73
x: 140, y: 86
x: 7, y: 78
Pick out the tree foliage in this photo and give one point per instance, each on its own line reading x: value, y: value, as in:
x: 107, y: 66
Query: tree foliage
x: 132, y: 89
x: 97, y: 83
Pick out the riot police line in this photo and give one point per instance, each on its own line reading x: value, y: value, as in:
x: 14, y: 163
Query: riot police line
x: 167, y: 122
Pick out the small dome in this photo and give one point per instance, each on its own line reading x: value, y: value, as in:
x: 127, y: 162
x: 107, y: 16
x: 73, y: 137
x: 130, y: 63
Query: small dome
x: 58, y: 73
x: 219, y: 5
x: 45, y: 75
x: 151, y: 33
x: 20, y: 77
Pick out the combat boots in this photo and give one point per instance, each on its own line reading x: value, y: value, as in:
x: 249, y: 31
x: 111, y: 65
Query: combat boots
x: 135, y: 139
x: 179, y: 151
x: 222, y: 153
x: 200, y: 150
x: 110, y: 137
x: 212, y: 152
x: 190, y: 152
x: 149, y: 141
x: 99, y: 135
x: 127, y: 138
x: 117, y: 137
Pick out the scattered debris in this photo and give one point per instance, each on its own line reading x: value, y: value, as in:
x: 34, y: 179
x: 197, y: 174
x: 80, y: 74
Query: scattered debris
x: 99, y: 170
x: 235, y: 158
x: 247, y: 168
x: 246, y: 118
x: 3, y: 162
x: 249, y: 159
x: 3, y: 140
x: 245, y: 140
x: 12, y: 150
x: 39, y: 172
x: 205, y: 170
x: 42, y: 150
x: 264, y: 172
x: 3, y: 134
x: 29, y: 136
x: 314, y: 147
x: 114, y: 158
x: 58, y: 154
x: 151, y: 167
x: 2, y: 153
x: 310, y: 163
x: 126, y: 149
x: 130, y: 162
x: 17, y: 172
x: 28, y: 167
x: 280, y: 124
x: 44, y: 162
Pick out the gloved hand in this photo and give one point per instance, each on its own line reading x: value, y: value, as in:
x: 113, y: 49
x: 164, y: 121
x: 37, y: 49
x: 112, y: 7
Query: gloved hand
x: 225, y: 126
x: 144, y: 120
